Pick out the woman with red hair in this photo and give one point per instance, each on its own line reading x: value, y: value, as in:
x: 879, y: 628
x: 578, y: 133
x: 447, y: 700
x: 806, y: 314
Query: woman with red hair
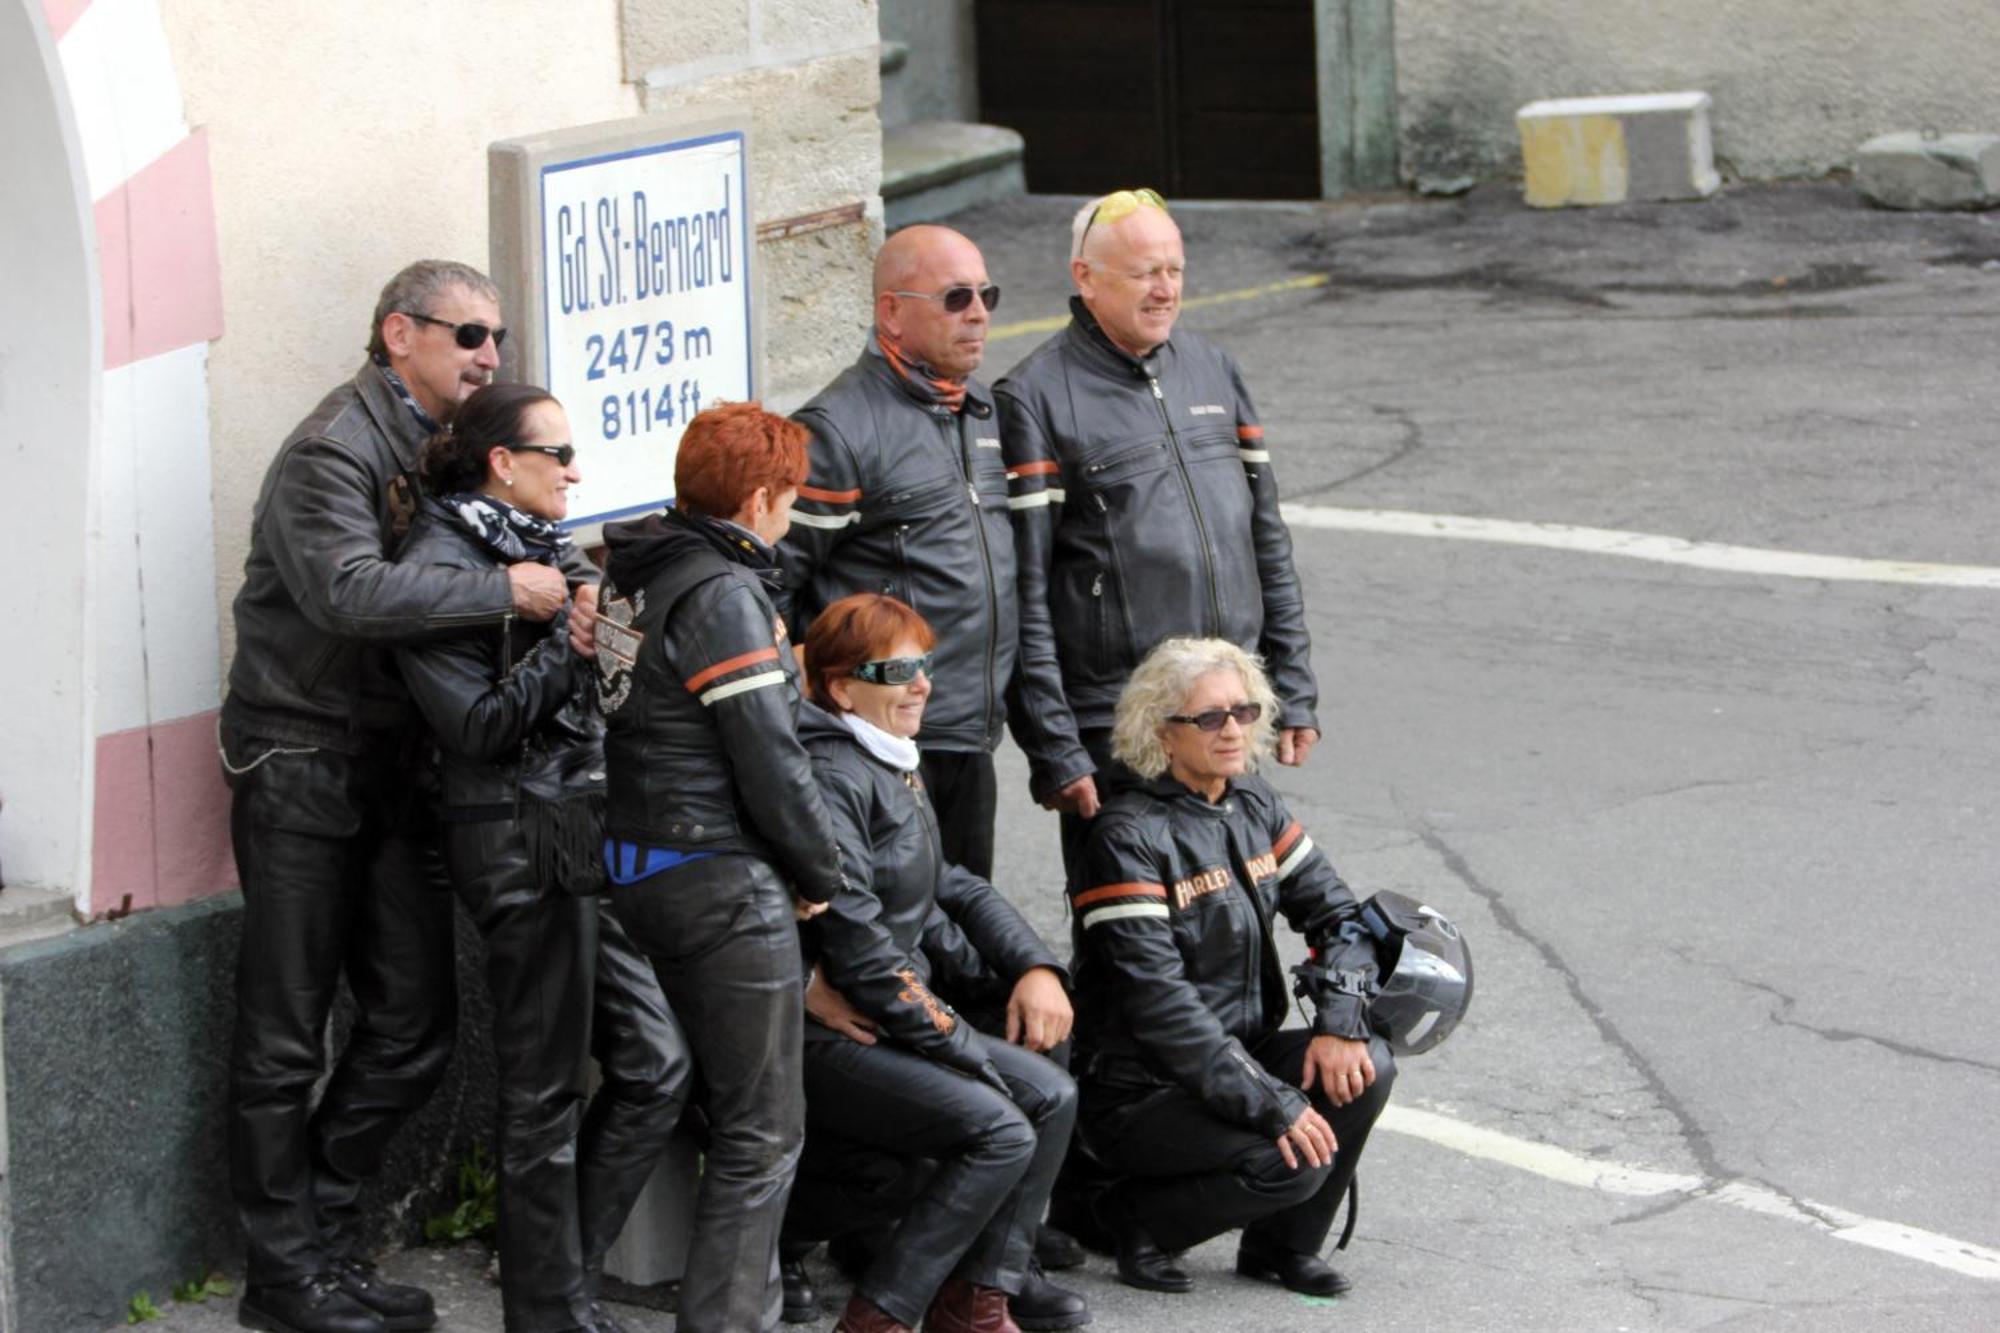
x: 913, y: 1080
x: 717, y: 836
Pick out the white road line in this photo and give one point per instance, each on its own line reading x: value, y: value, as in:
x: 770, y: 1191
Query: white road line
x: 1643, y: 546
x: 1568, y: 1168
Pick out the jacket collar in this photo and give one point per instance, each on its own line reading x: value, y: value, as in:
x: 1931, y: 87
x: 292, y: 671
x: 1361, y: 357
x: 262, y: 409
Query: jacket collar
x: 978, y: 398
x: 1170, y: 790
x: 393, y: 421
x: 1087, y: 335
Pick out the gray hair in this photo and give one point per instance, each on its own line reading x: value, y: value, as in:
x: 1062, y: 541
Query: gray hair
x: 1159, y: 688
x: 414, y: 289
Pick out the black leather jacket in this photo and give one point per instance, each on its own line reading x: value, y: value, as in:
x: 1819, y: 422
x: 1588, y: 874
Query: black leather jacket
x: 1177, y: 969
x: 699, y: 688
x: 910, y: 499
x: 513, y: 710
x: 1144, y: 506
x: 907, y: 920
x: 322, y: 601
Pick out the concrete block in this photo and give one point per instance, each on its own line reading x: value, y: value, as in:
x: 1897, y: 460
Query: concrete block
x: 933, y: 168
x: 792, y: 26
x: 1930, y: 171
x: 1611, y: 150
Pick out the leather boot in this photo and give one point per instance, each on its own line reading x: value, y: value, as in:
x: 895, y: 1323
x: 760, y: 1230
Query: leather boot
x: 317, y: 1304
x: 967, y: 1307
x: 864, y: 1316
x: 801, y: 1301
x: 402, y: 1307
x: 1056, y: 1250
x: 1307, y: 1274
x: 1041, y: 1305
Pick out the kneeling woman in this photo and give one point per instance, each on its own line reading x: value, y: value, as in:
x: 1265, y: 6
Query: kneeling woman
x: 1213, y: 1115
x: 522, y: 766
x: 994, y: 1117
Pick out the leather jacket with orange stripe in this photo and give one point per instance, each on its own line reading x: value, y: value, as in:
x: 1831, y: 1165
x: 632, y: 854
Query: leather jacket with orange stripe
x: 1177, y: 969
x: 909, y: 499
x: 1144, y: 506
x: 699, y: 687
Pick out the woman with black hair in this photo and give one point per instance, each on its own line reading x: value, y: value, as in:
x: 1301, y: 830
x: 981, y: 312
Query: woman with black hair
x: 521, y: 764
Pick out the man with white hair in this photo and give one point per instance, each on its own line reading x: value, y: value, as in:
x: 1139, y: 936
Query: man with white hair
x: 1144, y: 506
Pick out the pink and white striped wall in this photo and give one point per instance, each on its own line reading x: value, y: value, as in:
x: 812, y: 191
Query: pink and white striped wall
x: 160, y: 814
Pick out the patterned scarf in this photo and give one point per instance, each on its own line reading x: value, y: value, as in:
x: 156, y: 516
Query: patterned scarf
x: 928, y: 385
x: 424, y: 419
x: 510, y: 533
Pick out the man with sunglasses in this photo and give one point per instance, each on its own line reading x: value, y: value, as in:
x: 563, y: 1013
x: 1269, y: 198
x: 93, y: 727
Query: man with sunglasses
x: 908, y: 497
x: 332, y: 820
x: 1144, y: 506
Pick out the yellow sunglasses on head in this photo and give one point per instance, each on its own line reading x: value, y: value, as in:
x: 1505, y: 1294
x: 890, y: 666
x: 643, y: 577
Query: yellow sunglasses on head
x: 1120, y: 204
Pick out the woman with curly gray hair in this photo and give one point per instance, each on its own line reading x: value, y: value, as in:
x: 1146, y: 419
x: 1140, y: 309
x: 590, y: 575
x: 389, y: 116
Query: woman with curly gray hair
x: 1209, y: 1114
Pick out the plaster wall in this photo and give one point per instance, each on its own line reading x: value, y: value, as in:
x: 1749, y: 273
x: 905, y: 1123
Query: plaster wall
x: 345, y: 142
x: 1798, y: 84
x: 50, y: 336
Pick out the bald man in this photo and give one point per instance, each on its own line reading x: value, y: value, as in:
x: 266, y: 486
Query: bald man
x: 908, y: 497
x: 1143, y: 504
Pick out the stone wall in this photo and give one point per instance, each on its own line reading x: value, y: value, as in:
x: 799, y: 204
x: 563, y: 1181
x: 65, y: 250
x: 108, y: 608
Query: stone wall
x: 1798, y: 84
x: 809, y: 71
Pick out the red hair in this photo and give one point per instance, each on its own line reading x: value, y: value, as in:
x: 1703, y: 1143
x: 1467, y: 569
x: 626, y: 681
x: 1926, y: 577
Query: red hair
x: 856, y: 629
x: 731, y: 449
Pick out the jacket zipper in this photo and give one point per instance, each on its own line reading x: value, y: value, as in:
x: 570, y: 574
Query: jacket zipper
x: 986, y: 562
x: 1194, y: 508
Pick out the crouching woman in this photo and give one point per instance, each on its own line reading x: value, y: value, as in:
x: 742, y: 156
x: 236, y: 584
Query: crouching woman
x: 994, y: 1117
x: 1213, y: 1114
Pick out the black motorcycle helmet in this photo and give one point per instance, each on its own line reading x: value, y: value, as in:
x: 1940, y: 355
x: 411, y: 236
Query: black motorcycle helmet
x: 1425, y: 970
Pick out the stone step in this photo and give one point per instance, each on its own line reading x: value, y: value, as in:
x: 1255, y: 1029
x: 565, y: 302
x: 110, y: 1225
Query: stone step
x: 1610, y: 150
x: 933, y: 168
x: 34, y: 914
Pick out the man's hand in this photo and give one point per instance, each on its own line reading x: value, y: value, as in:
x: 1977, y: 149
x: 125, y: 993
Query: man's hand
x: 1038, y: 1012
x: 539, y: 590
x: 832, y: 1010
x: 1340, y: 1067
x: 1295, y: 743
x: 805, y: 909
x: 583, y: 621
x: 1078, y: 798
x: 1309, y: 1137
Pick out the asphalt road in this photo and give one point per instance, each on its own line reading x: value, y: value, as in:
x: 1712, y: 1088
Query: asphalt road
x: 1723, y: 841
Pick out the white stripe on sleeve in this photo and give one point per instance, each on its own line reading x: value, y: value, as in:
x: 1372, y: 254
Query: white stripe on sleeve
x: 763, y: 680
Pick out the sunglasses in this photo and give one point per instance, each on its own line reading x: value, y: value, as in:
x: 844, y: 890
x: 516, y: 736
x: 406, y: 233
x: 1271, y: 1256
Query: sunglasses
x: 471, y: 337
x: 893, y: 670
x: 1120, y: 204
x: 1211, y: 719
x: 564, y: 454
x: 957, y: 299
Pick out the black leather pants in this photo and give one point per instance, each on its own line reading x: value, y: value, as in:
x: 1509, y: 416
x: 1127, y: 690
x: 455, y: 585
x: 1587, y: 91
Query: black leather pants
x: 873, y: 1110
x: 721, y: 937
x: 550, y: 963
x: 1189, y: 1176
x: 339, y: 862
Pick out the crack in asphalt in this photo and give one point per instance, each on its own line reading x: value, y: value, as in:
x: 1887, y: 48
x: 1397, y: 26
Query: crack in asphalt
x: 1413, y: 440
x: 1781, y: 1017
x: 1692, y: 1134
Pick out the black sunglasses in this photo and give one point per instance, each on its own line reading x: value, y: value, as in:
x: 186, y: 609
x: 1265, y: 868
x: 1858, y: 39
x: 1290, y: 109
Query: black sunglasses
x: 893, y: 670
x: 956, y: 299
x: 471, y: 337
x: 1211, y: 719
x: 564, y: 454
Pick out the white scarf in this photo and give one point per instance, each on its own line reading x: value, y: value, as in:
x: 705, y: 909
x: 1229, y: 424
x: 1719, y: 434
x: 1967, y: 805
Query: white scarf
x: 898, y: 752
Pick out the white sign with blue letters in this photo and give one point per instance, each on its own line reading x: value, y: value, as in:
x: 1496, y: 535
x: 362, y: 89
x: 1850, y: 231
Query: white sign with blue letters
x: 639, y: 302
